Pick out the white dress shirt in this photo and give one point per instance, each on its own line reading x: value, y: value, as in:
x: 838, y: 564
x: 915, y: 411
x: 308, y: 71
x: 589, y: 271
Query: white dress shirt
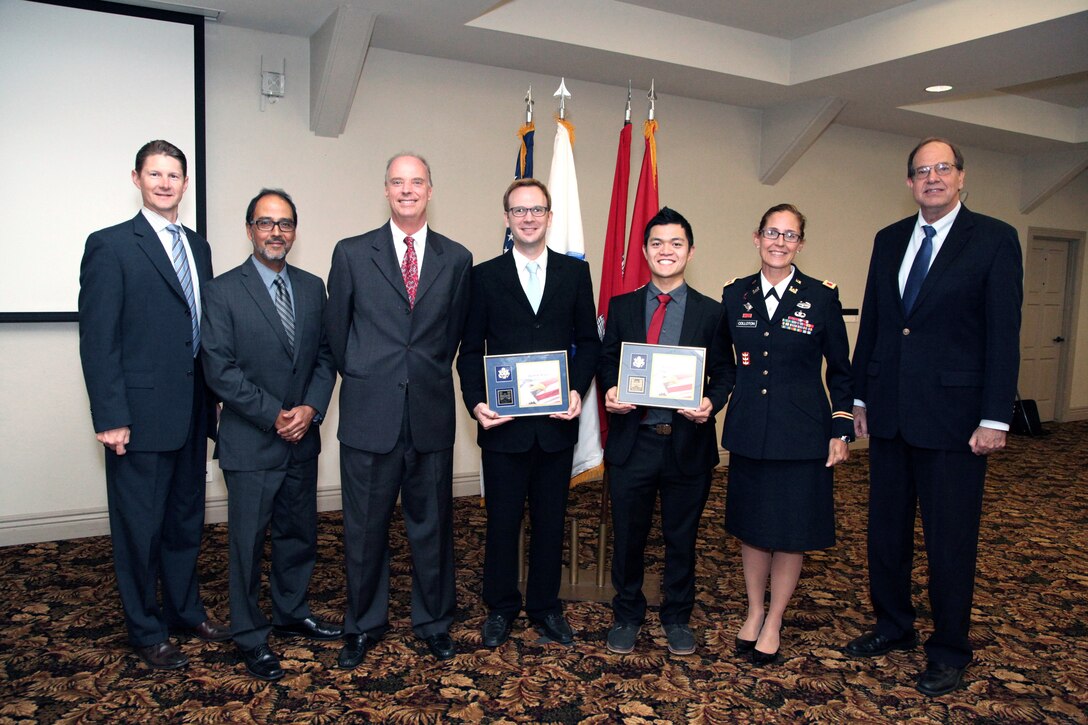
x: 159, y: 223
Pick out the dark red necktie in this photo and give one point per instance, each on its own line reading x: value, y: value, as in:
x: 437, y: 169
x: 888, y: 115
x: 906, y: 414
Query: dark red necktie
x: 654, y: 333
x: 410, y: 270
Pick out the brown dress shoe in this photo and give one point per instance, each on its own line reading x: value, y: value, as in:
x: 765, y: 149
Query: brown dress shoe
x: 209, y: 630
x: 162, y: 656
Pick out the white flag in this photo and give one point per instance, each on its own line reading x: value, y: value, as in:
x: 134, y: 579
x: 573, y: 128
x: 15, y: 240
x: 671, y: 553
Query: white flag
x: 565, y: 237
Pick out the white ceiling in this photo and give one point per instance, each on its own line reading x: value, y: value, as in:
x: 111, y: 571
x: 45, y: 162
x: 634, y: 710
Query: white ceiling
x: 1019, y: 68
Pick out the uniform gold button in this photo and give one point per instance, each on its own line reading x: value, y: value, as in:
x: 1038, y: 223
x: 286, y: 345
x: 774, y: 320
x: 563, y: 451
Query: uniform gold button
x: 765, y: 353
x: 906, y: 331
x: 764, y: 372
x: 766, y: 334
x: 763, y: 392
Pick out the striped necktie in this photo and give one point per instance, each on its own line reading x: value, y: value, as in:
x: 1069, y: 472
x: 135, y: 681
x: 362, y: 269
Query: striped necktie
x: 181, y: 269
x: 283, y: 307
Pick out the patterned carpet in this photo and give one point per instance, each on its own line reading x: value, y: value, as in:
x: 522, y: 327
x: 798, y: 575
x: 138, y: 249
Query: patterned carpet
x: 63, y: 656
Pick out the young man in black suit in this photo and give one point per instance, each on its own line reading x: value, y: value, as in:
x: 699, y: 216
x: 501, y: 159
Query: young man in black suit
x: 935, y: 369
x: 529, y: 300
x: 658, y: 451
x: 139, y: 342
x: 267, y: 359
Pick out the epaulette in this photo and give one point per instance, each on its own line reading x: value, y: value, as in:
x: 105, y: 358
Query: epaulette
x: 829, y: 284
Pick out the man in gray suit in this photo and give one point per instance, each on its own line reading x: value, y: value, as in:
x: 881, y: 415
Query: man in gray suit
x: 398, y: 298
x: 267, y: 359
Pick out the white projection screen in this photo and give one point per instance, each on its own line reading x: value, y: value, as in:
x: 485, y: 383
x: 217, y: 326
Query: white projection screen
x: 85, y: 84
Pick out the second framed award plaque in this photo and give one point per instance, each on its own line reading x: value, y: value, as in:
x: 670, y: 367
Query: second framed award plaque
x: 661, y: 376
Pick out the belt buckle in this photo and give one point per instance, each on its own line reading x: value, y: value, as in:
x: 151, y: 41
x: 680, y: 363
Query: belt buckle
x: 662, y: 429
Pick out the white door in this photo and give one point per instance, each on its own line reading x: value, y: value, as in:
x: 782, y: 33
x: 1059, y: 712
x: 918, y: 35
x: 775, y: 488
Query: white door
x: 1041, y: 338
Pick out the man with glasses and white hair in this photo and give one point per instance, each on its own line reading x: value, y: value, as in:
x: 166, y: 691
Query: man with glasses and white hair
x: 527, y: 300
x: 935, y: 369
x: 267, y: 359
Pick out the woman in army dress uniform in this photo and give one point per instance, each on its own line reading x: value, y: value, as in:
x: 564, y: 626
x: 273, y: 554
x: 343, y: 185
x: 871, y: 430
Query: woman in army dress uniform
x: 782, y: 435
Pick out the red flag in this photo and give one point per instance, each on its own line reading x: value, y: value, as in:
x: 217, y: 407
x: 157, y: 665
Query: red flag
x: 612, y: 265
x: 636, y: 272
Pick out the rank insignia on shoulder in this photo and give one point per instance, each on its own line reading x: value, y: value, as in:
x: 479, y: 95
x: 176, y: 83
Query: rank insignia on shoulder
x: 829, y: 284
x: 730, y: 282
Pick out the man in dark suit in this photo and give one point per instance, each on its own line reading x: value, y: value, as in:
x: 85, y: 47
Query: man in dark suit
x: 398, y: 297
x: 935, y: 369
x: 139, y: 342
x: 530, y: 300
x: 266, y: 358
x: 658, y: 451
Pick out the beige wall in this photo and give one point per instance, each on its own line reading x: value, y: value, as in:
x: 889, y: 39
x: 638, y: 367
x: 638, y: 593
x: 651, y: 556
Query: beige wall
x: 463, y: 118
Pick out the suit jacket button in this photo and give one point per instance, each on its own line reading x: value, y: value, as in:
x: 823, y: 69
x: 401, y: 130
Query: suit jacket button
x: 189, y: 373
x: 906, y: 331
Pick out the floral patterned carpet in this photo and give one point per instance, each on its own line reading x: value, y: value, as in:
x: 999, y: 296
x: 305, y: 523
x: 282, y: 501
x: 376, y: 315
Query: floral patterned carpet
x: 63, y: 656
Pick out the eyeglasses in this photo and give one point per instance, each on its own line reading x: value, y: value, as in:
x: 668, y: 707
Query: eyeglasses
x: 520, y: 211
x: 265, y: 224
x: 942, y: 169
x: 787, y: 236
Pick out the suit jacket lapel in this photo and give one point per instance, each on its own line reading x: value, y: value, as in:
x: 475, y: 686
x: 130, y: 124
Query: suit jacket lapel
x: 554, y: 279
x: 638, y: 315
x: 756, y: 299
x: 149, y: 242
x: 434, y: 261
x: 253, y: 284
x: 510, y: 277
x: 385, y: 258
x: 954, y: 242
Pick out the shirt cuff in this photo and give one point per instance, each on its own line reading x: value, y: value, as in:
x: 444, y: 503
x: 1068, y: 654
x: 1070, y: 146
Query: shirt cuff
x: 995, y: 424
x: 859, y: 403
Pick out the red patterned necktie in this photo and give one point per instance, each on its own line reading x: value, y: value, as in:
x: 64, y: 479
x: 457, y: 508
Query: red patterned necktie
x: 410, y: 270
x: 654, y: 333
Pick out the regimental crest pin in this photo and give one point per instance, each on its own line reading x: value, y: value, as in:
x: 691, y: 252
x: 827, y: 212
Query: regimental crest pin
x: 748, y: 306
x: 745, y: 359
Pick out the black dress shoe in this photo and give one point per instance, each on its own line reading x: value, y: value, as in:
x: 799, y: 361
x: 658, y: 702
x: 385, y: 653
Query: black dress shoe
x: 311, y: 627
x: 872, y: 644
x: 554, y: 626
x: 208, y: 630
x: 441, y: 646
x: 496, y: 629
x: 354, y: 649
x: 743, y: 646
x: 760, y: 658
x: 940, y: 679
x: 162, y: 656
x: 261, y: 663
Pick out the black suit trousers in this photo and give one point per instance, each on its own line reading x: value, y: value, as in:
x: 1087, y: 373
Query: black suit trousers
x: 651, y: 470
x: 370, y: 484
x: 542, y: 478
x: 947, y: 486
x: 285, y: 500
x: 156, y: 512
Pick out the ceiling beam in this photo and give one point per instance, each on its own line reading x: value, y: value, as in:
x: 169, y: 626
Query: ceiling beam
x: 788, y: 130
x: 1042, y: 175
x: 337, y: 52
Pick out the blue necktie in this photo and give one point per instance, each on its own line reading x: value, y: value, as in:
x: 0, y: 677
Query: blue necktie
x: 181, y: 269
x: 918, y: 269
x: 532, y: 289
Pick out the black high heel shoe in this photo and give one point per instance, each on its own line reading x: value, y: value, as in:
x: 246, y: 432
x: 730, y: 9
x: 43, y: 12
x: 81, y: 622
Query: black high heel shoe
x: 759, y: 658
x: 743, y: 646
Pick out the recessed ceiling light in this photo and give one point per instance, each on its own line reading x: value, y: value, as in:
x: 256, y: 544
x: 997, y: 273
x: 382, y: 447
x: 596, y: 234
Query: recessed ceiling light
x: 938, y: 89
